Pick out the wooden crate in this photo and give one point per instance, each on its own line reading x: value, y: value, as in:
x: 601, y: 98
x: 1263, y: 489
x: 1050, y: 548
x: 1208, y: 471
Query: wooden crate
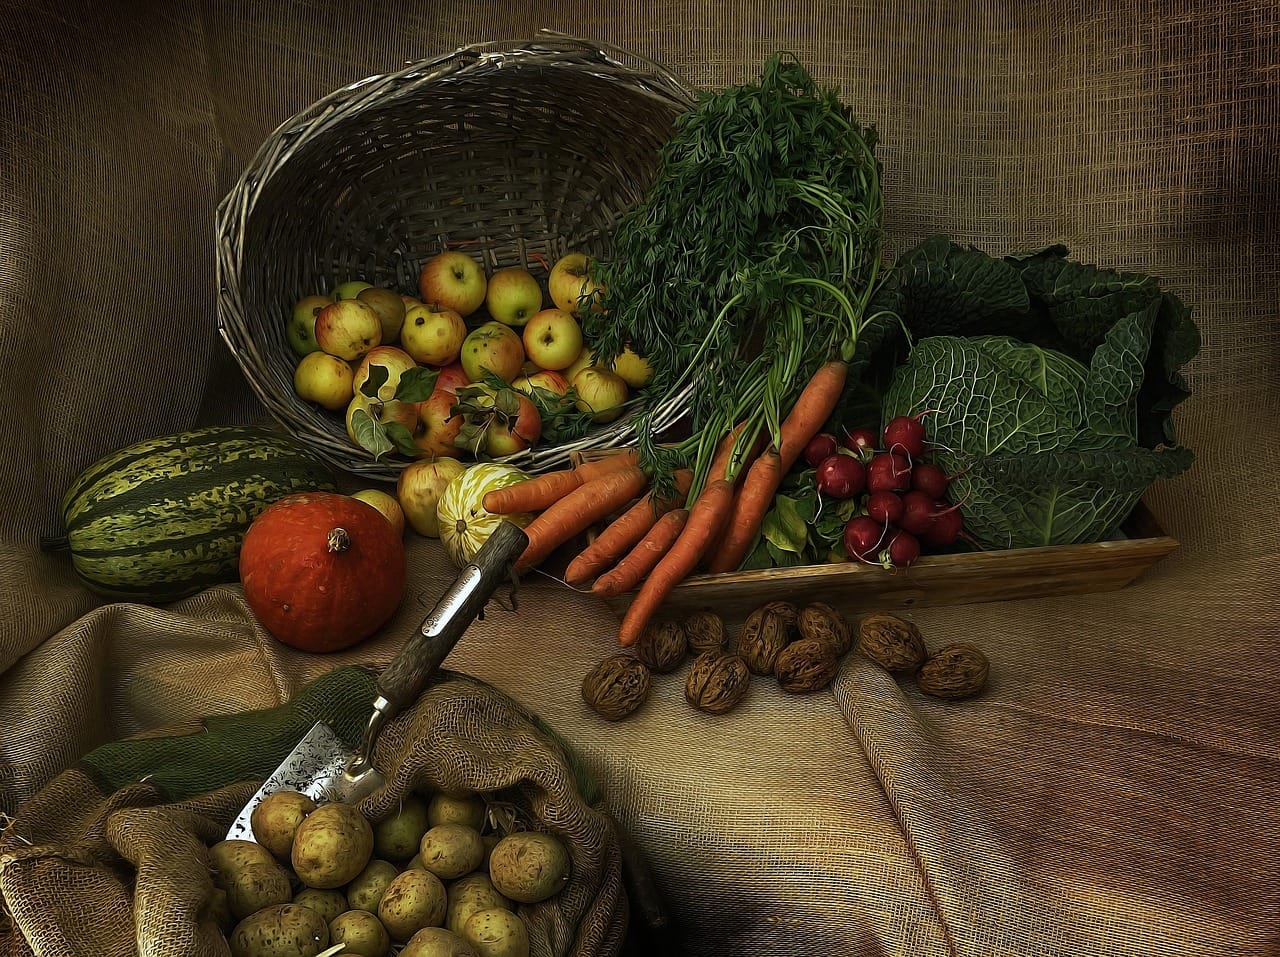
x: 958, y: 579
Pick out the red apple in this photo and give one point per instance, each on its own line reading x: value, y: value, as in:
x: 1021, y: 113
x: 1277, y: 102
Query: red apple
x: 437, y: 426
x: 452, y: 378
x: 545, y: 379
x: 506, y: 434
x: 453, y: 280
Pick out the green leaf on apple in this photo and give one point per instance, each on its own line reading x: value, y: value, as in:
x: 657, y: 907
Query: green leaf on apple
x: 377, y: 378
x: 370, y: 433
x: 416, y: 384
x: 402, y: 439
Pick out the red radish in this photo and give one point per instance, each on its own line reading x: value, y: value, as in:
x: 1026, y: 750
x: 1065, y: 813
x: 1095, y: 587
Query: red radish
x: 861, y: 441
x: 946, y: 528
x: 862, y: 536
x: 903, y: 549
x: 821, y: 446
x: 930, y: 479
x: 918, y: 513
x: 905, y: 434
x: 885, y: 507
x: 840, y: 476
x: 888, y: 472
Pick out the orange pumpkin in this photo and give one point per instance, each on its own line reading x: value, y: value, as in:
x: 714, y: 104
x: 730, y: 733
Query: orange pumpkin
x: 322, y: 571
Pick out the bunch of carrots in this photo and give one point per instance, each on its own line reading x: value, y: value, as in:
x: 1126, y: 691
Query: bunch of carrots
x: 650, y: 545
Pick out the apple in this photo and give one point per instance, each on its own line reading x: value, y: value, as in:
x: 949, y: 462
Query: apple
x: 493, y: 347
x: 437, y: 426
x: 300, y: 330
x: 323, y: 379
x: 410, y: 301
x: 348, y: 329
x: 506, y: 434
x: 543, y: 379
x: 349, y: 289
x: 570, y: 280
x: 454, y: 280
x: 634, y: 369
x: 552, y: 339
x: 396, y: 361
x: 585, y: 358
x: 393, y: 410
x: 513, y: 296
x: 419, y: 489
x: 388, y: 307
x: 385, y: 503
x: 452, y: 378
x: 600, y: 392
x: 433, y: 334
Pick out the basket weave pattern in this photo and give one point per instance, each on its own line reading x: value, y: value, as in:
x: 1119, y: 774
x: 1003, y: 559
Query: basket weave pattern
x: 514, y: 152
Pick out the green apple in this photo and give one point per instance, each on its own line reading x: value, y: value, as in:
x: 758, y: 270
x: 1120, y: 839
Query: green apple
x: 552, y: 339
x: 585, y: 358
x: 396, y: 361
x: 384, y: 502
x: 419, y: 489
x: 570, y: 279
x: 438, y: 427
x: 388, y: 307
x: 513, y: 296
x: 634, y: 369
x: 454, y: 280
x: 433, y: 334
x: 349, y: 289
x: 323, y: 379
x: 600, y: 392
x: 493, y: 347
x: 300, y: 330
x: 348, y: 329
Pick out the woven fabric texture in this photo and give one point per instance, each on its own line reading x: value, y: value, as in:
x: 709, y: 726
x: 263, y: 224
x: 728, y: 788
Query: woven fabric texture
x: 1113, y: 790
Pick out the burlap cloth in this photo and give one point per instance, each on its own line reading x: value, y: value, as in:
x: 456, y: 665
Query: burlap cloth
x: 1112, y: 793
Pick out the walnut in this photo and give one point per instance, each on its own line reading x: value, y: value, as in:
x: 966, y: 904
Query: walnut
x: 806, y: 665
x: 716, y: 682
x: 820, y: 620
x: 784, y: 610
x: 956, y: 671
x: 662, y: 646
x: 763, y: 635
x: 704, y: 630
x: 616, y: 687
x: 891, y: 642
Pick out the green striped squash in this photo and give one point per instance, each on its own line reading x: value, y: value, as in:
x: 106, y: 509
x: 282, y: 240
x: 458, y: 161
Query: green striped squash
x: 165, y: 517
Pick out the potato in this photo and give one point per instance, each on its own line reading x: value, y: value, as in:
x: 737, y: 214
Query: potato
x: 496, y: 932
x: 468, y: 809
x: 218, y: 910
x: 361, y: 932
x: 414, y: 900
x: 327, y: 903
x: 225, y: 857
x: 275, y: 819
x: 332, y: 845
x: 451, y: 850
x: 529, y: 866
x: 469, y: 894
x: 415, y: 861
x: 367, y: 887
x: 437, y: 942
x: 396, y: 838
x: 256, y: 886
x: 490, y: 842
x: 283, y: 930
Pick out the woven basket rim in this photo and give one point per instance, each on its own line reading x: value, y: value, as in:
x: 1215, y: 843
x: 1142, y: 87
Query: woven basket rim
x: 548, y: 49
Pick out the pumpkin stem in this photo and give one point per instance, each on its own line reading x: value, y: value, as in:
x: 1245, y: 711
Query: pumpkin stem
x: 339, y: 540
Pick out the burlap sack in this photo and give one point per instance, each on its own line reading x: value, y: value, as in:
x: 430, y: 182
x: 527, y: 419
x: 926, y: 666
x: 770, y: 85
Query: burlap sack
x: 111, y: 856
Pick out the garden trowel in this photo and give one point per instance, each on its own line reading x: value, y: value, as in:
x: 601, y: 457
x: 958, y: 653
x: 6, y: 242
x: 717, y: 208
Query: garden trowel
x: 321, y: 765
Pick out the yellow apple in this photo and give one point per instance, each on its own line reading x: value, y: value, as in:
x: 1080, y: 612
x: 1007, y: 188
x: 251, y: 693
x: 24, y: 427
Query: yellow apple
x: 544, y: 379
x: 494, y: 347
x: 388, y: 307
x: 585, y: 358
x: 396, y: 361
x: 419, y: 489
x: 454, y: 280
x: 301, y: 328
x: 323, y: 379
x: 552, y: 339
x: 348, y: 329
x: 600, y: 392
x: 433, y: 334
x: 384, y: 503
x: 438, y: 427
x: 634, y: 369
x: 570, y: 280
x: 406, y: 413
x: 513, y: 296
x: 506, y: 434
x: 349, y: 289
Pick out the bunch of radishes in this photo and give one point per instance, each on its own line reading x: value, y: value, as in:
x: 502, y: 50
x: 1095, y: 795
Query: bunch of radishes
x: 903, y: 507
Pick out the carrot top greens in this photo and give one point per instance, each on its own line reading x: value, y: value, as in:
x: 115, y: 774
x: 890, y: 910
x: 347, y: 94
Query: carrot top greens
x: 750, y: 261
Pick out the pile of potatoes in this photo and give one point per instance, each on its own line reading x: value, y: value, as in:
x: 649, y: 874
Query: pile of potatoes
x: 434, y: 879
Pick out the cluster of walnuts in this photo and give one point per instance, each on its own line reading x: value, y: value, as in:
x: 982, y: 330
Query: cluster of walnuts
x: 800, y: 647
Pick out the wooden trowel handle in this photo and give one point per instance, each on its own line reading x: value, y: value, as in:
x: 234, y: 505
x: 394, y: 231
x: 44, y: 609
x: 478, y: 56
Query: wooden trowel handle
x: 406, y: 676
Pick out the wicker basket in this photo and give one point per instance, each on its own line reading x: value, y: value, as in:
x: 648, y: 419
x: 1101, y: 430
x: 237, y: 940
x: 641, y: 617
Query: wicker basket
x: 515, y: 152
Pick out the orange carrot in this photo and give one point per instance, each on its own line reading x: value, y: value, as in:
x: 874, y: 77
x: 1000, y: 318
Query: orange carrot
x: 642, y: 558
x: 812, y: 408
x: 577, y: 511
x: 621, y: 535
x: 706, y: 518
x: 542, y: 491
